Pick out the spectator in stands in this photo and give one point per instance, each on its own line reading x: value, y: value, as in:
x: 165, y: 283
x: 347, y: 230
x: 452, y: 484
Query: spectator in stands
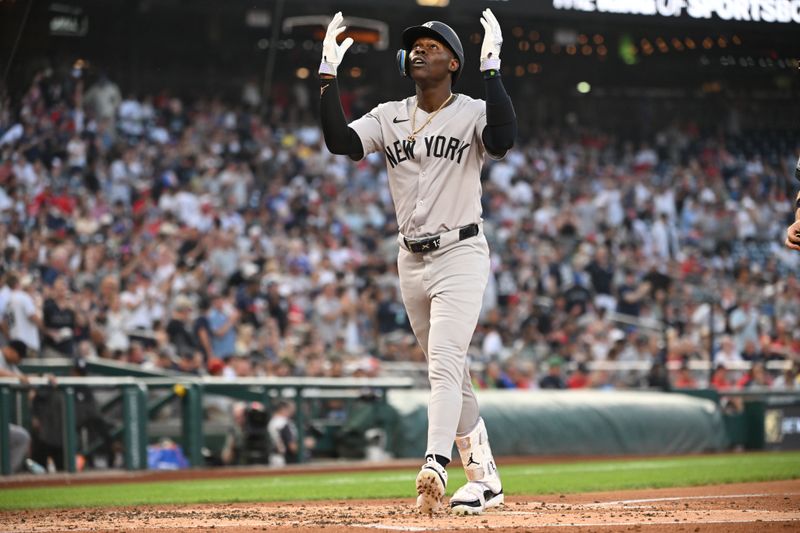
x: 553, y: 379
x: 327, y: 309
x: 202, y: 331
x: 579, y: 379
x: 223, y: 319
x: 720, y: 379
x: 60, y: 321
x: 601, y: 273
x: 755, y: 377
x: 182, y: 336
x: 789, y: 378
x: 727, y: 353
x: 631, y: 293
x: 684, y: 378
x: 23, y: 316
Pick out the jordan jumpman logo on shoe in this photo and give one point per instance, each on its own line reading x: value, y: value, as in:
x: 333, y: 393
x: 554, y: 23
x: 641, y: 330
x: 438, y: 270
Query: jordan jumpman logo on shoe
x: 472, y: 461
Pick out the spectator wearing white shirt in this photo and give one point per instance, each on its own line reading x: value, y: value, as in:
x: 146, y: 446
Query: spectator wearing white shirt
x: 727, y: 353
x: 23, y: 317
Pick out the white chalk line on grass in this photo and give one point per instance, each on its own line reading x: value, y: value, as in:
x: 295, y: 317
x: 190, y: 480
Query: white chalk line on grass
x: 681, y: 498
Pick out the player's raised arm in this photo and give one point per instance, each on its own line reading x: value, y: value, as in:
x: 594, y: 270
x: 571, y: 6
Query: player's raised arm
x: 339, y: 138
x: 501, y: 121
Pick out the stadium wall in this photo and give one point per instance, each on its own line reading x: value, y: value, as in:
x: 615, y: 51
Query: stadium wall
x: 578, y: 423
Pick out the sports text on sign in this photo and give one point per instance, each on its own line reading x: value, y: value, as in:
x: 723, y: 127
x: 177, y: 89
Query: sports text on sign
x: 783, y: 11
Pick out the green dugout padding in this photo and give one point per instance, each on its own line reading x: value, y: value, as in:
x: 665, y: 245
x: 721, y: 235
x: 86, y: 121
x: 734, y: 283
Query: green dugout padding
x: 576, y: 423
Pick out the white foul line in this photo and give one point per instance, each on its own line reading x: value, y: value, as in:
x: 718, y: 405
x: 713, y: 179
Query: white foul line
x: 679, y: 498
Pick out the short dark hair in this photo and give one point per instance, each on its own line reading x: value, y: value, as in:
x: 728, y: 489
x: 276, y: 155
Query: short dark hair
x: 20, y: 347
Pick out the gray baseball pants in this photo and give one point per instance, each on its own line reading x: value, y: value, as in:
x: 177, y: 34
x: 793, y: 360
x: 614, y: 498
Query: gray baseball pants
x: 19, y: 444
x: 443, y: 291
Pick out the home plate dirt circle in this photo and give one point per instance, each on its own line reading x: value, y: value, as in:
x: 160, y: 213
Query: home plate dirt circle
x: 761, y: 507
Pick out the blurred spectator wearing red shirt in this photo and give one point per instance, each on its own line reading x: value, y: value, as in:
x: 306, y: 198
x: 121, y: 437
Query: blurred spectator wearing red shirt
x: 580, y: 378
x: 684, y: 378
x: 720, y: 379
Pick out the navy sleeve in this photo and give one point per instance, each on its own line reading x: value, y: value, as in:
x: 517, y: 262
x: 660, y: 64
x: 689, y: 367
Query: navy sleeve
x: 339, y: 137
x: 501, y: 121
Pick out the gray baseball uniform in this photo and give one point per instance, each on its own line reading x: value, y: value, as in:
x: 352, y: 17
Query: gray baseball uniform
x: 435, y: 185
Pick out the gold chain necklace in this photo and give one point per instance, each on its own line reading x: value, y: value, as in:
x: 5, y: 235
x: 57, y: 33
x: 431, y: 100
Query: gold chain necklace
x: 413, y: 136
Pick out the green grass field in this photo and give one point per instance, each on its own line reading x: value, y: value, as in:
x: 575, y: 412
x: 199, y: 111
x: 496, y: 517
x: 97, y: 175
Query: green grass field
x: 518, y: 479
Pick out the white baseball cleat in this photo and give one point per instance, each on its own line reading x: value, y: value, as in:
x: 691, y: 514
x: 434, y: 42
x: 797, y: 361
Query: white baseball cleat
x: 431, y: 486
x: 483, y: 489
x: 475, y: 497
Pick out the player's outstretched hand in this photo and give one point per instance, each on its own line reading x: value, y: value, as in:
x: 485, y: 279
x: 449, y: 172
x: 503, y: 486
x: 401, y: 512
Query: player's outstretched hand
x: 332, y: 53
x: 793, y: 236
x: 492, y: 41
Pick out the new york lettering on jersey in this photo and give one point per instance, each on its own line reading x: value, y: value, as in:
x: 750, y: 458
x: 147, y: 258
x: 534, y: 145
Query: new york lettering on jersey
x: 438, y: 146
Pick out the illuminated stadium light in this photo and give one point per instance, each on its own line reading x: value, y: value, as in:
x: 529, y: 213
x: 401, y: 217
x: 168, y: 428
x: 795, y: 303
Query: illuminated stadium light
x: 302, y: 73
x: 584, y: 87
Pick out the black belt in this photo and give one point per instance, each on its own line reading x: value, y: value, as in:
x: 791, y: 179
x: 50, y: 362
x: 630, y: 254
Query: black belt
x: 429, y: 244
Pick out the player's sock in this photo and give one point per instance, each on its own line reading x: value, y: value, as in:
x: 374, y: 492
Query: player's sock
x: 441, y: 459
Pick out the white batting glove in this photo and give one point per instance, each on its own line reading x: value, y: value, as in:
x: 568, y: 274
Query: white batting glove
x: 332, y: 53
x: 492, y: 41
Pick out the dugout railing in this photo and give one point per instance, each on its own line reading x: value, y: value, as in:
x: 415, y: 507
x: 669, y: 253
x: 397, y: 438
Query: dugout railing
x: 138, y: 406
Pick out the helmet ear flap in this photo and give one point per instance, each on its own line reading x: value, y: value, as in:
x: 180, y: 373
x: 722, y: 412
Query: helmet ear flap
x: 402, y: 62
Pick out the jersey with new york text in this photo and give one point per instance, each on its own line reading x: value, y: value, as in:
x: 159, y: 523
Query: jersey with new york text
x: 434, y: 179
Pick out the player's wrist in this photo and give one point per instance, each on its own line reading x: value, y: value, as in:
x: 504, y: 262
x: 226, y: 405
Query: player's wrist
x: 490, y: 63
x: 327, y: 69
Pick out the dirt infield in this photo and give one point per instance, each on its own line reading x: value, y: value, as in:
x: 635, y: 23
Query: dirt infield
x: 761, y: 507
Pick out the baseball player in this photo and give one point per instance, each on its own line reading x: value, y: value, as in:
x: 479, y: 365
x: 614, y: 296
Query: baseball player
x: 434, y: 143
x: 793, y: 231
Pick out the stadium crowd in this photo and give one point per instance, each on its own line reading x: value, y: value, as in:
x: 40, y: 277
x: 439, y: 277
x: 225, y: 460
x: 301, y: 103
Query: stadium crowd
x: 197, y: 236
